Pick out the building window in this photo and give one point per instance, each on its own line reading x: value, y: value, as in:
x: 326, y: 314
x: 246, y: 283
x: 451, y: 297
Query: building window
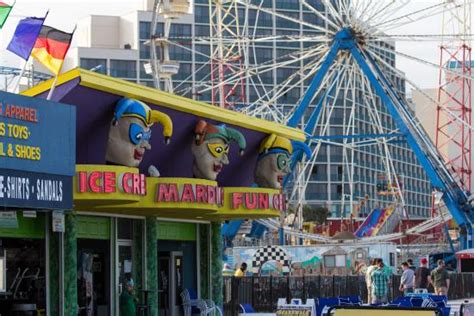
x: 123, y: 68
x: 144, y: 50
x: 180, y: 53
x: 335, y: 261
x: 144, y: 31
x: 283, y: 74
x: 180, y: 30
x: 288, y: 22
x: 202, y: 53
x: 96, y: 64
x: 125, y: 228
x: 143, y: 74
x: 287, y: 4
x: 264, y: 19
x: 330, y: 261
x: 184, y: 72
x: 202, y: 30
x: 201, y: 14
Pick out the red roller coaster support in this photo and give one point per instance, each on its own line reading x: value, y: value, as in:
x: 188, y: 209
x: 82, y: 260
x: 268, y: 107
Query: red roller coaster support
x: 453, y: 134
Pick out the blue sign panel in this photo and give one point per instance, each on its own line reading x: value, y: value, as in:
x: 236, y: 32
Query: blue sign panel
x: 35, y: 190
x: 37, y: 135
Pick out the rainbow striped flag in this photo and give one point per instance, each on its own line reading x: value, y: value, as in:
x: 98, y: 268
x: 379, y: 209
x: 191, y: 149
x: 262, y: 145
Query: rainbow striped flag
x: 5, y: 10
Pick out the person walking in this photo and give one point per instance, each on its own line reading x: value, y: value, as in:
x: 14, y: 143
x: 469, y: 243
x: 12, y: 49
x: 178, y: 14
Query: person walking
x: 368, y: 280
x: 440, y: 279
x: 128, y: 300
x: 422, y: 275
x: 380, y: 281
x: 408, y: 279
x: 240, y: 272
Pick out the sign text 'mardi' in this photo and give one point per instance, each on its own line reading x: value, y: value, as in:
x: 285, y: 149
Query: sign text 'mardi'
x: 189, y: 193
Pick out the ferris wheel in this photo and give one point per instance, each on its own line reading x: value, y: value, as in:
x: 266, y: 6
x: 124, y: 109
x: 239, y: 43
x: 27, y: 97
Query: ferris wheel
x: 263, y: 56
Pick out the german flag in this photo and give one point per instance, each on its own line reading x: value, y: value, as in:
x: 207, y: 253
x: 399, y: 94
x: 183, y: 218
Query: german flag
x: 51, y: 48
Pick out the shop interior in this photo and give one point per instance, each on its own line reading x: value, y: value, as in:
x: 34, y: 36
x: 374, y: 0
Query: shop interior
x: 93, y: 273
x: 22, y: 276
x: 176, y: 271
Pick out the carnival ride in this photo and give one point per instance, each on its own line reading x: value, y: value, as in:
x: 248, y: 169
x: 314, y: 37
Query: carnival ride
x: 379, y: 220
x: 339, y: 57
x: 336, y: 61
x: 9, y: 74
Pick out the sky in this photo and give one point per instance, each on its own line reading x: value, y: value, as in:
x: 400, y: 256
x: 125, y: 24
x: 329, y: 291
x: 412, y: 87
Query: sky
x: 65, y: 14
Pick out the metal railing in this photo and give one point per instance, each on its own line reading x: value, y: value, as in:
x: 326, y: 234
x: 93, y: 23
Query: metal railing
x: 263, y: 292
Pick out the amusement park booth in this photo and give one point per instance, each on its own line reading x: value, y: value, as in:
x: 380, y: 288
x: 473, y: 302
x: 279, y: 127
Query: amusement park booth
x: 465, y: 260
x: 148, y: 210
x: 37, y: 167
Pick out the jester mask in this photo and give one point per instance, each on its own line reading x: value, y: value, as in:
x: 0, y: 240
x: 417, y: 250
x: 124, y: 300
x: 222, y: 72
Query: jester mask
x: 211, y: 148
x: 274, y: 160
x: 130, y: 132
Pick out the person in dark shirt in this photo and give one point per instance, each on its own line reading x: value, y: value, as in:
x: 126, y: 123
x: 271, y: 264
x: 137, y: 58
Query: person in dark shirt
x: 422, y: 275
x: 440, y: 279
x: 411, y: 265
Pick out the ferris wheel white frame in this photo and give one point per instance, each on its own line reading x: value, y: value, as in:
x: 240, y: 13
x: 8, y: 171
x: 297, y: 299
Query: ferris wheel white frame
x: 377, y: 19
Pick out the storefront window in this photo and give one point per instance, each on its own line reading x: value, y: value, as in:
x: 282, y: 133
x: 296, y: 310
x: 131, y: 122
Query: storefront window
x: 93, y: 277
x: 22, y: 274
x: 125, y: 228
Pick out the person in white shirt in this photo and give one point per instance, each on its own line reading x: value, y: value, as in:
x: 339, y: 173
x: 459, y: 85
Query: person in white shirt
x: 368, y: 280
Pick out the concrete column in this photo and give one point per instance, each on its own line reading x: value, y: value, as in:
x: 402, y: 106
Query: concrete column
x: 70, y: 265
x: 152, y: 264
x: 216, y: 263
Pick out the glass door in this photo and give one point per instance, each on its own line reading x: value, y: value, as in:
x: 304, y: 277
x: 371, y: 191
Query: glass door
x: 125, y: 264
x: 163, y: 284
x: 176, y: 282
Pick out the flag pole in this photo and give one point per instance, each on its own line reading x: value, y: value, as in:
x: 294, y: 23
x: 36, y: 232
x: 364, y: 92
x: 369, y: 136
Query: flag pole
x: 53, y: 86
x: 17, y: 86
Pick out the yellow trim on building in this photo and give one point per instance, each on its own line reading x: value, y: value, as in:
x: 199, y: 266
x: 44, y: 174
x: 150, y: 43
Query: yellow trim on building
x: 187, y: 198
x: 150, y: 95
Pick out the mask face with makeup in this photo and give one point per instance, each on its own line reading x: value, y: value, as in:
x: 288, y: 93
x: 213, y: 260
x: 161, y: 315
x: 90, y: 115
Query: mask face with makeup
x: 209, y: 158
x: 211, y: 147
x: 130, y: 132
x: 271, y: 168
x: 128, y: 142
